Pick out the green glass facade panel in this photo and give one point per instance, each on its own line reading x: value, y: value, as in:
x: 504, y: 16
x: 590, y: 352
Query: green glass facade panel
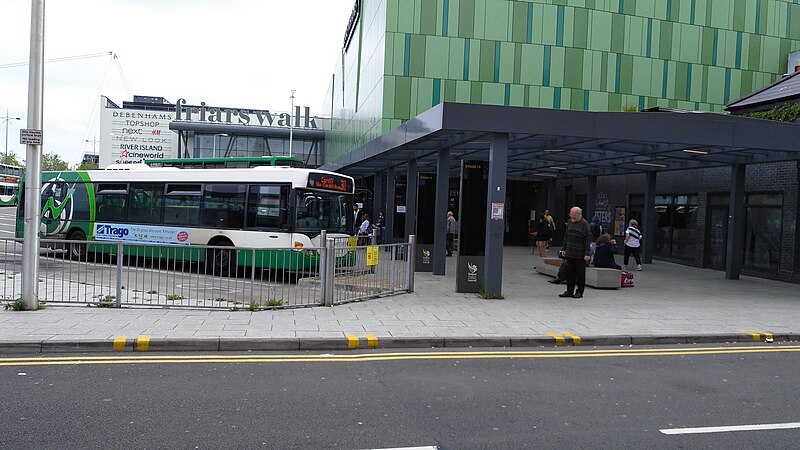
x: 437, y: 49
x: 557, y: 66
x: 573, y: 75
x: 463, y: 91
x: 517, y: 63
x: 617, y: 34
x: 532, y: 65
x: 794, y: 21
x: 493, y: 93
x: 476, y: 92
x: 707, y: 46
x: 479, y: 29
x: 549, y: 25
x: 575, y: 98
x: 721, y: 13
x: 389, y: 97
x: 640, y: 83
x: 449, y: 91
x: 466, y: 18
x: 517, y: 95
x: 690, y: 43
x: 402, y: 96
x: 752, y: 56
x: 416, y: 58
x: 601, y: 31
x: 646, y: 8
x: 497, y: 24
x: 428, y: 16
x: 455, y: 61
x: 405, y: 16
x: 424, y: 96
x: 391, y: 16
x: 635, y: 36
x: 485, y: 60
x: 519, y: 21
x: 771, y: 46
x: 474, y: 66
x: 506, y: 62
x: 580, y: 28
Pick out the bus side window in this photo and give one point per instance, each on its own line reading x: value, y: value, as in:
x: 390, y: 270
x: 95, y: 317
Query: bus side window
x: 223, y: 205
x: 111, y: 202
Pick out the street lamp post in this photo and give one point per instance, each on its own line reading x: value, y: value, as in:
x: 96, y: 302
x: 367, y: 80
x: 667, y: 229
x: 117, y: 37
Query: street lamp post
x: 291, y: 113
x: 8, y: 119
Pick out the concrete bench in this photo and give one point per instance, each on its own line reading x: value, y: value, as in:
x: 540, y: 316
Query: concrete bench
x: 600, y: 278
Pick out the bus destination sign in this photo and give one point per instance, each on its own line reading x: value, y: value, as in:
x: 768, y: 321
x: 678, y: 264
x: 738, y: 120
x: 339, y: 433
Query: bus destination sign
x: 329, y: 182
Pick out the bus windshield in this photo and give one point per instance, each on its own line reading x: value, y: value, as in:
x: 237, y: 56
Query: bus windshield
x: 318, y: 211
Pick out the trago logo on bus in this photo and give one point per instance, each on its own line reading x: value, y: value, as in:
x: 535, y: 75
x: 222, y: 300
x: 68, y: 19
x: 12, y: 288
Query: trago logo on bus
x: 110, y: 231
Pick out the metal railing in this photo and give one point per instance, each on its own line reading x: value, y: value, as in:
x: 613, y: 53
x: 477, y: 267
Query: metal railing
x: 118, y: 274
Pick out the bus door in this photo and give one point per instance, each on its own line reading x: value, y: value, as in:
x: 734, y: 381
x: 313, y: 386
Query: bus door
x: 268, y: 211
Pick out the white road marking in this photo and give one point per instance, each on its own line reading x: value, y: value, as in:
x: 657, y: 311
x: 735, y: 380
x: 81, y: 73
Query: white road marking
x: 700, y: 430
x: 409, y: 448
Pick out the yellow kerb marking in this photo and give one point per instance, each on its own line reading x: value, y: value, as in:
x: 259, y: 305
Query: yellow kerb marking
x: 576, y: 340
x: 559, y: 339
x: 119, y: 343
x: 756, y: 336
x: 372, y: 341
x: 352, y: 341
x: 142, y: 343
x: 766, y: 334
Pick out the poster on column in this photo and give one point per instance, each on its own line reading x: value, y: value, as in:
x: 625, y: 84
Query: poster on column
x: 426, y: 219
x: 472, y: 226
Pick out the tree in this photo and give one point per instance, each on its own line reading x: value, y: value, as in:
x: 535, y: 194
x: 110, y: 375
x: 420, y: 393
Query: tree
x: 87, y: 165
x: 12, y: 159
x: 51, y: 161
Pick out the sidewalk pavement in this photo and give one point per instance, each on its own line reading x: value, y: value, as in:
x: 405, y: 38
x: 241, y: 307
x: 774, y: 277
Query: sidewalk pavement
x: 670, y: 304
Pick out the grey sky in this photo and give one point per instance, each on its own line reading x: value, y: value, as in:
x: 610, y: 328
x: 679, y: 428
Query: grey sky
x: 236, y: 53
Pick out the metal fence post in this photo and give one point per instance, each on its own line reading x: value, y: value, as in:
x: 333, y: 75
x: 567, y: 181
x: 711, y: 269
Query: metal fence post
x: 412, y: 253
x: 323, y: 265
x: 253, y: 279
x: 330, y: 266
x: 120, y: 256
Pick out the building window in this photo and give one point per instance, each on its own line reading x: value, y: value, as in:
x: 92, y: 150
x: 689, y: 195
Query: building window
x: 676, y: 226
x: 762, y: 247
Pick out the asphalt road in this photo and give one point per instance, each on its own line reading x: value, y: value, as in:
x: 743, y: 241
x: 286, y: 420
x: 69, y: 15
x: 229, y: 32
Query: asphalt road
x: 559, y: 398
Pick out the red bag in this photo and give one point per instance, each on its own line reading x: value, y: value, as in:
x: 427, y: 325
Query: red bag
x: 532, y: 233
x: 626, y: 279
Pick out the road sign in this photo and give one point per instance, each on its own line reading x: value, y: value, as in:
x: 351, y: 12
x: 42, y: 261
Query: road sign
x: 30, y: 137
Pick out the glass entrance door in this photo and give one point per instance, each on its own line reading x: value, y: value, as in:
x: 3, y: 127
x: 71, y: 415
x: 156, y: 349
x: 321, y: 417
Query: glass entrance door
x: 717, y: 237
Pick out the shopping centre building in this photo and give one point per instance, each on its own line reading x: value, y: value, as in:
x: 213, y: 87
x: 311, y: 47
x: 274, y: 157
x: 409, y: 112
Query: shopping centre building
x: 538, y: 89
x: 402, y: 57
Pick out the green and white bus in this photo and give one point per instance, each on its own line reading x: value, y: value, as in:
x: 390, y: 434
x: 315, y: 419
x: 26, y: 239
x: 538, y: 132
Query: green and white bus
x: 269, y: 208
x: 9, y: 184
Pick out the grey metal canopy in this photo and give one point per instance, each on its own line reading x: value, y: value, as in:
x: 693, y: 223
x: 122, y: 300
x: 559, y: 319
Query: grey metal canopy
x: 547, y: 144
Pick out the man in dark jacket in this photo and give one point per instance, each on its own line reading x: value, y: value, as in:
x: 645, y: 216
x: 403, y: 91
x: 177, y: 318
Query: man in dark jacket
x: 577, y: 247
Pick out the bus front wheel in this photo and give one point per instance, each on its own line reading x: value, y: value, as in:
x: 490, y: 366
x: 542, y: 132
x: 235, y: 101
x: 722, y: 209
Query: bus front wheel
x: 77, y: 250
x: 221, y: 261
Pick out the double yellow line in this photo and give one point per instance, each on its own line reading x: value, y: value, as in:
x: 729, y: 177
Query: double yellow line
x: 372, y: 357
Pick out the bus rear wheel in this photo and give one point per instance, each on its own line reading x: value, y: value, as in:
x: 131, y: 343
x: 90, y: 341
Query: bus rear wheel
x: 77, y: 250
x: 221, y: 261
